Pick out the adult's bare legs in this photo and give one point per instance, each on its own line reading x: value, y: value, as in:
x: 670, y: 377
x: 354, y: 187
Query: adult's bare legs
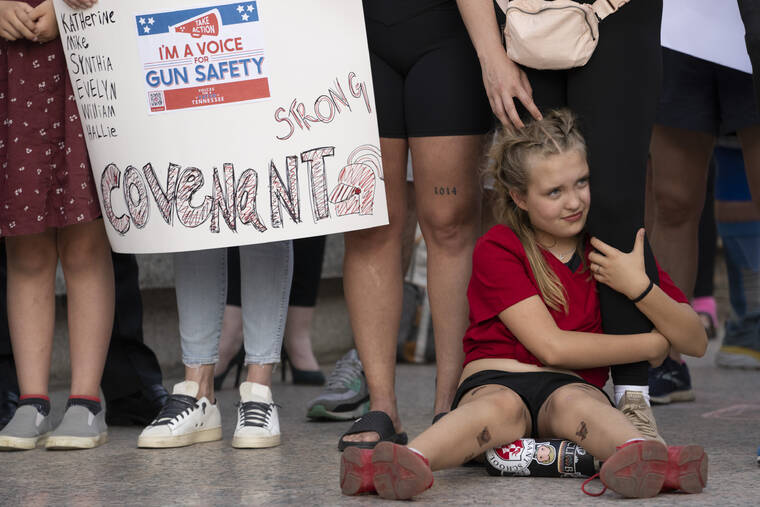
x: 87, y: 266
x: 298, y: 337
x: 448, y: 197
x: 32, y: 260
x: 680, y: 160
x: 203, y: 375
x: 372, y: 281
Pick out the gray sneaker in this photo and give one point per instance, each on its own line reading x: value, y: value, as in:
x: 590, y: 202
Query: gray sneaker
x: 346, y: 396
x: 79, y: 429
x: 26, y: 430
x: 741, y: 344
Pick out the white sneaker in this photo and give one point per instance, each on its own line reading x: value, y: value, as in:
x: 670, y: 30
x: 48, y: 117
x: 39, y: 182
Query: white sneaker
x: 184, y: 420
x: 258, y: 424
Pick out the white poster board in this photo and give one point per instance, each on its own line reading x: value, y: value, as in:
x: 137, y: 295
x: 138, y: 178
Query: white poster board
x: 213, y: 124
x: 708, y: 29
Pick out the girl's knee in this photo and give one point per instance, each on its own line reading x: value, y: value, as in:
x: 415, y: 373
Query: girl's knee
x: 508, y: 407
x: 83, y: 253
x: 32, y: 261
x: 574, y: 401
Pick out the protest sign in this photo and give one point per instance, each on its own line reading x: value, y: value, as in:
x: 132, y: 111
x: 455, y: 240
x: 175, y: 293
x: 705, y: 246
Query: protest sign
x: 213, y: 124
x: 706, y: 29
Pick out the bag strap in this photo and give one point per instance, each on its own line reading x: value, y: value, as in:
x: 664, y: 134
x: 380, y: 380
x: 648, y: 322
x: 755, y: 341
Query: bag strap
x: 602, y: 8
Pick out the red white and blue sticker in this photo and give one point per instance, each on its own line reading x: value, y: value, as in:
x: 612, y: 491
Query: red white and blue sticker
x: 202, y: 57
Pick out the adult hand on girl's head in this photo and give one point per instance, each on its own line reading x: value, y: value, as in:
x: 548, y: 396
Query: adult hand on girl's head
x: 504, y: 81
x: 80, y: 4
x: 623, y: 272
x: 15, y: 21
x: 45, y: 25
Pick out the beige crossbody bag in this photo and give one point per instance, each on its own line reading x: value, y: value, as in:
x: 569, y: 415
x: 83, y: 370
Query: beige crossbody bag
x: 553, y: 35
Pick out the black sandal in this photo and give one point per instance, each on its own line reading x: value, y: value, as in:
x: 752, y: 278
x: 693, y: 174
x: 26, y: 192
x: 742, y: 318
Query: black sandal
x: 376, y: 421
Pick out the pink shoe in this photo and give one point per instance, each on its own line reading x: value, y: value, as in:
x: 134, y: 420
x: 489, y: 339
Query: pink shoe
x: 707, y: 310
x: 399, y: 472
x: 356, y: 471
x: 636, y: 470
x: 687, y: 469
x: 644, y: 468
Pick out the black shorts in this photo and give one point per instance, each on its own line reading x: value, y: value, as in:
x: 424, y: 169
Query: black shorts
x: 705, y: 96
x: 426, y: 76
x: 533, y: 387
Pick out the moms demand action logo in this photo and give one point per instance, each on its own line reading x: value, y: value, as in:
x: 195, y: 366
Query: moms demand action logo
x: 205, y: 24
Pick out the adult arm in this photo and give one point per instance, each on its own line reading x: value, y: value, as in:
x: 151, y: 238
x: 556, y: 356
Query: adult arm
x: 624, y: 272
x: 532, y: 324
x: 504, y: 80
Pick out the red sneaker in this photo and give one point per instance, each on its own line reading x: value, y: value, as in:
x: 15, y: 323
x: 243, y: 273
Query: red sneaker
x: 637, y: 470
x: 399, y: 472
x: 687, y: 468
x: 356, y: 471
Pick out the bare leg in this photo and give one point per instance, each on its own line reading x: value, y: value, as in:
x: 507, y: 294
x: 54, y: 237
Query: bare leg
x: 298, y: 337
x: 231, y: 338
x: 680, y: 160
x: 32, y: 261
x: 447, y: 192
x: 373, y: 287
x: 581, y: 413
x: 260, y: 373
x: 86, y: 260
x: 488, y: 416
x: 203, y: 375
x: 410, y: 229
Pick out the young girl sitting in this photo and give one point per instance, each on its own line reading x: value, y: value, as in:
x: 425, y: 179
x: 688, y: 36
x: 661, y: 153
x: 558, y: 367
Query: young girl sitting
x: 536, y: 360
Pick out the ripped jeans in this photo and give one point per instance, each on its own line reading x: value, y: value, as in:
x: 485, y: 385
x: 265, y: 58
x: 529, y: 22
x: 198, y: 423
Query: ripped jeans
x: 200, y: 279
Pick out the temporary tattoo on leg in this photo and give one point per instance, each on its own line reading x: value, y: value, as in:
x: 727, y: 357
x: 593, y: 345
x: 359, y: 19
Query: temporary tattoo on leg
x: 472, y: 393
x: 582, y: 432
x: 484, y: 437
x: 445, y: 190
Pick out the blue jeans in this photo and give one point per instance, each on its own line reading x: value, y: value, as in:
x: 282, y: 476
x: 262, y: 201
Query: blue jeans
x: 741, y: 245
x: 200, y: 279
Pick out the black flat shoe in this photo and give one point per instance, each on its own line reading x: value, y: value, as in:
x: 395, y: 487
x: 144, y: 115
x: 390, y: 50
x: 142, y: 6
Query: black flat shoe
x: 136, y: 409
x: 8, y: 405
x: 238, y: 361
x: 301, y: 377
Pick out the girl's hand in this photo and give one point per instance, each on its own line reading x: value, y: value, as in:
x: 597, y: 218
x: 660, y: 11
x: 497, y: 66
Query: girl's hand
x: 504, y: 81
x: 661, y: 349
x: 623, y: 272
x: 15, y: 21
x: 80, y: 4
x: 46, y: 28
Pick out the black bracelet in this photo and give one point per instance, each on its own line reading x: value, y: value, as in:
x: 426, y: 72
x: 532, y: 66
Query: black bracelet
x: 644, y: 294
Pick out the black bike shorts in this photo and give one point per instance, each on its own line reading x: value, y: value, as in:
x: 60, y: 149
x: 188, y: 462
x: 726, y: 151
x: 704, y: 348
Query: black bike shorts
x: 426, y: 76
x: 533, y: 387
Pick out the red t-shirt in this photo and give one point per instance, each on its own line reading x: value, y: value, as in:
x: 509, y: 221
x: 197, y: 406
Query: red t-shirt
x: 501, y: 277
